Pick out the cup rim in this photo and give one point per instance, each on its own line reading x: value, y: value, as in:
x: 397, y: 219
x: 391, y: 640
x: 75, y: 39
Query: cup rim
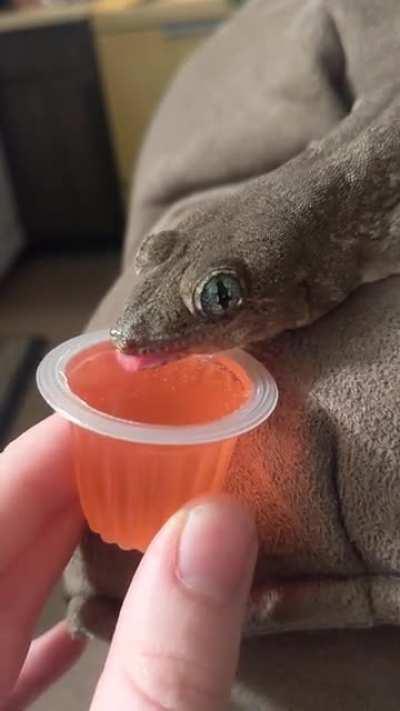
x: 54, y: 388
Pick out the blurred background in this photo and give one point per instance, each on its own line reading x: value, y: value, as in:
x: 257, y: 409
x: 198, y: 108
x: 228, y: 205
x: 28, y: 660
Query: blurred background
x: 78, y: 85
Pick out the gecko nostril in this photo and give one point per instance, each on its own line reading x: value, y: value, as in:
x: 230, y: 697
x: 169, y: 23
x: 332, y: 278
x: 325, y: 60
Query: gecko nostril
x: 118, y: 339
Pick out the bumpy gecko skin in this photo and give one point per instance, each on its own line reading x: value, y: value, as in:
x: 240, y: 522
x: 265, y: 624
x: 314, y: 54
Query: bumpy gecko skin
x: 278, y: 251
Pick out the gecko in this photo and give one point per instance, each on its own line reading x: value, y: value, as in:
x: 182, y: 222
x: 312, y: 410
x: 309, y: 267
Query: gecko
x: 276, y: 252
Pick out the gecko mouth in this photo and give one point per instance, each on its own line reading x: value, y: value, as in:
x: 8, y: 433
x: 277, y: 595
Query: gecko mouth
x: 134, y: 357
x: 133, y: 363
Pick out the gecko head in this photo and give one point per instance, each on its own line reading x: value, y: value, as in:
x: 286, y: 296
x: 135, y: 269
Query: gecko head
x: 201, y: 295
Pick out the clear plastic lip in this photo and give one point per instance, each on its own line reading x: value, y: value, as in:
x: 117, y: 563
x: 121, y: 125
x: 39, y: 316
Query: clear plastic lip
x: 54, y: 388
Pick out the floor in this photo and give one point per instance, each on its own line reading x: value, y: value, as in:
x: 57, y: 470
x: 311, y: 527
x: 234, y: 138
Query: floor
x: 54, y: 295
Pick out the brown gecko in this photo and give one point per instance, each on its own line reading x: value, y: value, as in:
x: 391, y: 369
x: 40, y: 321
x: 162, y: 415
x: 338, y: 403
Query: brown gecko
x: 278, y: 251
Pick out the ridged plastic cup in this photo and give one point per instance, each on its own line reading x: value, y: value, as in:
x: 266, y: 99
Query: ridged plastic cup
x: 131, y: 476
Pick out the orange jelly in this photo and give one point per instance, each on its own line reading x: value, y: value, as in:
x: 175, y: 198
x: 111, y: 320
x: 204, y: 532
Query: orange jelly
x: 129, y: 489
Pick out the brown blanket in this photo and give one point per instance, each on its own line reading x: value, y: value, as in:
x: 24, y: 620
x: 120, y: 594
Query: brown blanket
x: 323, y: 475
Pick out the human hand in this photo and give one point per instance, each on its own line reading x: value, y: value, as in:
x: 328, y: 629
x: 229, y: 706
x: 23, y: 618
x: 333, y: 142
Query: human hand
x: 177, y: 640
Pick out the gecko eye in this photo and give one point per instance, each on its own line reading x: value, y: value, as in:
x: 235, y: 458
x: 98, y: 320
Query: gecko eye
x: 221, y: 293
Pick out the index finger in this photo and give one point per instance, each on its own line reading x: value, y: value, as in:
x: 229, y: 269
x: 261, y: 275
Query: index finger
x: 36, y: 484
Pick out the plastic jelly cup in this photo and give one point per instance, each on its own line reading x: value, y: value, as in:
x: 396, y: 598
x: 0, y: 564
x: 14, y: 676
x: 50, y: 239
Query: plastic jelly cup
x: 132, y: 474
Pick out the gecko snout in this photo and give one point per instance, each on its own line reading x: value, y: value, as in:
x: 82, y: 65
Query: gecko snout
x: 119, y: 339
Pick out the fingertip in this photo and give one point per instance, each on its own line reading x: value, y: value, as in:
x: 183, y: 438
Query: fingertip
x: 49, y: 657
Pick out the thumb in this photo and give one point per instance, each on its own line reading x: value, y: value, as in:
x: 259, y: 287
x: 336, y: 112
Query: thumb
x: 177, y: 640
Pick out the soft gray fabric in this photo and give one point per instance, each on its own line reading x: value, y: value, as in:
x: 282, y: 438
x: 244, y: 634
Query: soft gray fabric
x: 282, y: 73
x: 336, y: 671
x: 323, y: 474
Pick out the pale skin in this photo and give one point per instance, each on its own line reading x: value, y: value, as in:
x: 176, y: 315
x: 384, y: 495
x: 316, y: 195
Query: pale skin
x: 181, y: 655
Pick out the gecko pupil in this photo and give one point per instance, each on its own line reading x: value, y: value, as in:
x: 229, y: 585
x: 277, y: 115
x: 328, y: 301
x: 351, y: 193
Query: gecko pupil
x: 221, y: 293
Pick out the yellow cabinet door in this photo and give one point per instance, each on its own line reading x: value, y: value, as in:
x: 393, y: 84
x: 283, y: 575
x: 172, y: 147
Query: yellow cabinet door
x: 136, y: 65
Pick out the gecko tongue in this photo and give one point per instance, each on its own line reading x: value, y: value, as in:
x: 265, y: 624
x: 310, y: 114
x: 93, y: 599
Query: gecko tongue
x: 132, y: 363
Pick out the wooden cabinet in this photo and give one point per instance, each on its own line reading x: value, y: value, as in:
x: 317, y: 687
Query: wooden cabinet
x: 140, y: 65
x: 55, y: 134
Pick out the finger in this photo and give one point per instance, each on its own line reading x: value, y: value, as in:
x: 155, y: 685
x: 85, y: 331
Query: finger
x: 49, y: 657
x: 41, y: 521
x: 177, y: 640
x: 36, y: 482
x: 25, y: 586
